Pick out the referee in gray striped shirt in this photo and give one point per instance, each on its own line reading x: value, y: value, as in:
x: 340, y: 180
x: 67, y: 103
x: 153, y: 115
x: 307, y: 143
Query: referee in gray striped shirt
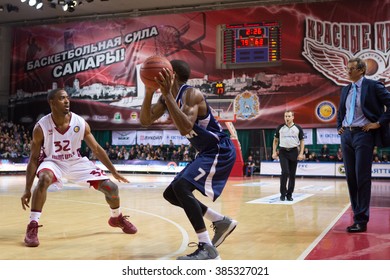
x: 290, y: 136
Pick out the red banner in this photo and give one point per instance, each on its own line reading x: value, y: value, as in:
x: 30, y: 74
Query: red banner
x: 263, y: 59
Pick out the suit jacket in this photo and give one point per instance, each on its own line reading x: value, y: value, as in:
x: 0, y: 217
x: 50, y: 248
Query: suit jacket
x: 375, y: 102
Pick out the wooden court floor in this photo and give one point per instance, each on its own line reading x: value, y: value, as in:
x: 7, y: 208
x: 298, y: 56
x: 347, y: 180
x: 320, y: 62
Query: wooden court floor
x: 75, y: 219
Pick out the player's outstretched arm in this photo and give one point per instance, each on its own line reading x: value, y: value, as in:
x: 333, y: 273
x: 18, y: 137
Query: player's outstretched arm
x: 100, y: 154
x: 32, y: 165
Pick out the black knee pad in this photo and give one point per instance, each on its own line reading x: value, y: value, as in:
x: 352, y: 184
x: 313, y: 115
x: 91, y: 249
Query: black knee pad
x: 176, y: 190
x: 170, y: 196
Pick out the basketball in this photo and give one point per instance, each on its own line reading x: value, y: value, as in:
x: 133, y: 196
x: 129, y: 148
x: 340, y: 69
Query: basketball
x: 150, y: 69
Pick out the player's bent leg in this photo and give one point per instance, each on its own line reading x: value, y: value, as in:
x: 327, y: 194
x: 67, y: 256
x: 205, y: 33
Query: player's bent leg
x: 46, y: 177
x: 40, y: 192
x: 170, y: 196
x: 111, y: 193
x: 223, y: 229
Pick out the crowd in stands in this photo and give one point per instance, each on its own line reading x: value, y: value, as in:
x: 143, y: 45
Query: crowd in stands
x: 15, y: 140
x: 325, y: 155
x: 146, y: 152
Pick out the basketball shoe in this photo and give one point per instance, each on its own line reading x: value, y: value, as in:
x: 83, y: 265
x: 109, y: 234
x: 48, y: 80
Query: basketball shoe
x: 204, y: 252
x: 31, y: 239
x: 122, y: 222
x: 222, y: 229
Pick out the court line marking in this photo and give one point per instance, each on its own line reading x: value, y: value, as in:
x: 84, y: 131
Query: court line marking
x: 322, y: 235
x: 275, y: 199
x: 185, y: 237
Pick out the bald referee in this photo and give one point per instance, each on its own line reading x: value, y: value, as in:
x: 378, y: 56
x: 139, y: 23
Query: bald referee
x: 290, y: 136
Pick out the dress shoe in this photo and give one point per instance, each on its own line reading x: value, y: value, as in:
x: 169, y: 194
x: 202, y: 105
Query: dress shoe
x: 357, y: 228
x: 289, y: 198
x: 282, y: 198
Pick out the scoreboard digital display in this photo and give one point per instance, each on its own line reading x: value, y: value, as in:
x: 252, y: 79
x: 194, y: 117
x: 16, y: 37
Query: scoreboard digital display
x: 248, y: 45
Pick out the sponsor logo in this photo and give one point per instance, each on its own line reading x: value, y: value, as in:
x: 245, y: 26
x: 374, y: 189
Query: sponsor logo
x: 99, y: 118
x: 133, y: 116
x: 325, y: 111
x: 171, y: 165
x: 329, y: 45
x: 117, y: 117
x: 146, y: 137
x: 76, y: 129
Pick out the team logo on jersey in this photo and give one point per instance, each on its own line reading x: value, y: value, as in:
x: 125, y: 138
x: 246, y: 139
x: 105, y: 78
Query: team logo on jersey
x: 76, y: 129
x: 325, y: 111
x: 246, y: 105
x: 329, y: 45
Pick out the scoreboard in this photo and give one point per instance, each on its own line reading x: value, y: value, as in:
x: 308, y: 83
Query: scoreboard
x: 248, y: 45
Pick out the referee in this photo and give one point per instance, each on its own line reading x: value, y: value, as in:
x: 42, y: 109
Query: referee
x: 290, y: 136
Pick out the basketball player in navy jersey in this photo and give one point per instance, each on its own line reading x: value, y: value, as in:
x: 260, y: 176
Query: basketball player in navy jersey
x: 55, y: 153
x: 211, y: 168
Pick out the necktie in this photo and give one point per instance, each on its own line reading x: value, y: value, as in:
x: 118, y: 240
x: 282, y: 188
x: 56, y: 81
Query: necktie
x: 352, y: 105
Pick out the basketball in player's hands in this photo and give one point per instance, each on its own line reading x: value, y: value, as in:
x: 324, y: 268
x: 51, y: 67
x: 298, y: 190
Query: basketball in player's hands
x: 151, y: 68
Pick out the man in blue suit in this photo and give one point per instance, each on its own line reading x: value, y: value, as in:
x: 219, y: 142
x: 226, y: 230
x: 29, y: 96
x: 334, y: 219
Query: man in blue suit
x: 363, y: 122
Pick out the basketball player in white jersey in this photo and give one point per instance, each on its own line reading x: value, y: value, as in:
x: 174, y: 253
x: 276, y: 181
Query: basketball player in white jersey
x: 55, y: 153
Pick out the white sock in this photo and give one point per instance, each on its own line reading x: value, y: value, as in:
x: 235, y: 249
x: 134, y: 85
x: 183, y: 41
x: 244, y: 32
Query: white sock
x: 34, y: 216
x: 204, y: 237
x: 115, y: 212
x: 212, y: 215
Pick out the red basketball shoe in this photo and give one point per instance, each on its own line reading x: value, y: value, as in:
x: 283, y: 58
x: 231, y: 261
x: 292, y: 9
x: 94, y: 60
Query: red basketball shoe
x: 31, y: 239
x: 122, y: 222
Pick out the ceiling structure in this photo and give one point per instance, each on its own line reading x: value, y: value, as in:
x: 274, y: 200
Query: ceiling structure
x: 19, y: 12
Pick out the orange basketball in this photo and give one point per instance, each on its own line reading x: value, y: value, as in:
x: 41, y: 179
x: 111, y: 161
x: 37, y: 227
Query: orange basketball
x: 150, y: 69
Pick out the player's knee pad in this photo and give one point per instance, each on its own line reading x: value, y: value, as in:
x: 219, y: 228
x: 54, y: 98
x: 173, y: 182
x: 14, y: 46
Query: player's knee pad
x: 182, y: 187
x: 109, y: 188
x: 169, y: 195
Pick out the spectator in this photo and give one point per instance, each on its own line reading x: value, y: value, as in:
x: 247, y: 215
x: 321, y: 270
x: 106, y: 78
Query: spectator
x: 249, y: 167
x: 375, y: 153
x: 187, y: 158
x: 376, y: 159
x: 339, y: 155
x: 191, y: 151
x: 142, y: 156
x: 126, y: 154
x: 325, y: 152
x: 306, y: 153
x: 133, y: 154
x: 313, y: 157
x: 86, y: 152
x: 175, y: 156
x: 112, y: 154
